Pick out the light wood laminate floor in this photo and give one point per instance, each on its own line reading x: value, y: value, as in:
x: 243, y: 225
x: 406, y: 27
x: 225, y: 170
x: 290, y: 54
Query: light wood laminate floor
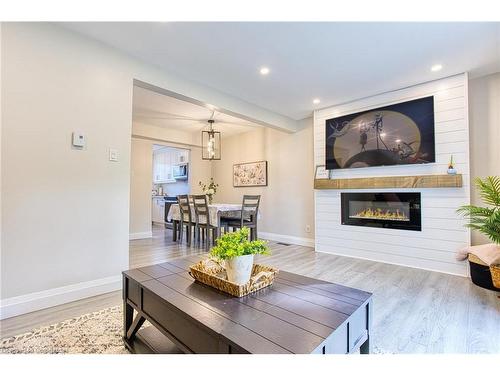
x: 415, y: 311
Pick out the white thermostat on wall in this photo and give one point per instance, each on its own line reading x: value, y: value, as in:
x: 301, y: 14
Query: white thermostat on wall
x: 78, y: 139
x: 113, y: 154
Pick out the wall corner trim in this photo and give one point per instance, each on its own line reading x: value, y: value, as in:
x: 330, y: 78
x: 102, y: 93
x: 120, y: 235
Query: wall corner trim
x: 27, y: 303
x: 302, y: 241
x: 140, y: 235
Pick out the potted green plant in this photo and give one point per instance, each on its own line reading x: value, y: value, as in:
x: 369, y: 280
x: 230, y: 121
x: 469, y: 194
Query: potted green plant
x: 487, y: 221
x: 238, y: 253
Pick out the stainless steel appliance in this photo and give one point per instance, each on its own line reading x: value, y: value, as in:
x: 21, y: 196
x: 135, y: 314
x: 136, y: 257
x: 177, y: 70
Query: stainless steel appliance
x: 180, y: 171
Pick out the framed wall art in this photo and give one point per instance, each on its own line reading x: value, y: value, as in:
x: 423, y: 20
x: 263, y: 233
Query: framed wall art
x: 250, y: 174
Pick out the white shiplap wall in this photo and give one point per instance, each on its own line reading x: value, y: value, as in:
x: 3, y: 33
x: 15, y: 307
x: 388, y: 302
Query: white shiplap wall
x: 433, y: 248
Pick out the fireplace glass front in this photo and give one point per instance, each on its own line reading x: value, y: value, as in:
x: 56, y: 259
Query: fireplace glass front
x: 383, y: 210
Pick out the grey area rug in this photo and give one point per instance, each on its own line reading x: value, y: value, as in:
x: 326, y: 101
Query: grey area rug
x: 99, y: 332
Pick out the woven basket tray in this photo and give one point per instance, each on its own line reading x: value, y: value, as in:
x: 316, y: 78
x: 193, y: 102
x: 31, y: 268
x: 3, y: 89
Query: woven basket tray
x: 494, y: 269
x: 213, y: 274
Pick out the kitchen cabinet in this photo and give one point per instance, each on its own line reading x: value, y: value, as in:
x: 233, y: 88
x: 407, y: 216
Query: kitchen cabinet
x: 181, y: 156
x: 158, y: 210
x: 163, y: 162
x: 162, y: 166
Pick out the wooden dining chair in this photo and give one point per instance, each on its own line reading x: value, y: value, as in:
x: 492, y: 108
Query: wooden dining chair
x: 248, y: 217
x: 202, y: 220
x: 186, y: 220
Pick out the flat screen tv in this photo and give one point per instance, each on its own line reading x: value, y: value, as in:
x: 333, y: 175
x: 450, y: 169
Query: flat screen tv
x: 396, y: 134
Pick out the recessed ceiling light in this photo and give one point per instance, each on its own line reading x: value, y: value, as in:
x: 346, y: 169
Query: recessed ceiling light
x: 264, y: 70
x: 398, y: 140
x: 382, y: 135
x: 436, y: 68
x: 316, y: 101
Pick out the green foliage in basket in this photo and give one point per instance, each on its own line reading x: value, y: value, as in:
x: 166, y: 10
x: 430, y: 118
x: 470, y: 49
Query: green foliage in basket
x: 234, y: 244
x: 485, y: 219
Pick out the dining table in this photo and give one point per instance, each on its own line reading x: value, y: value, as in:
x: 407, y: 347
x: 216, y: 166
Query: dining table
x: 216, y: 212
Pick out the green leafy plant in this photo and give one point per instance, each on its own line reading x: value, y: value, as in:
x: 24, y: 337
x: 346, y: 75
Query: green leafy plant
x: 234, y: 244
x: 485, y: 219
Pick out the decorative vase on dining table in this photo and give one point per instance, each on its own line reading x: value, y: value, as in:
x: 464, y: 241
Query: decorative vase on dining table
x: 209, y: 189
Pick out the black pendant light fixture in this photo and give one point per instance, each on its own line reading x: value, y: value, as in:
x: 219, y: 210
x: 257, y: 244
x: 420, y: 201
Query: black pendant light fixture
x: 210, y: 143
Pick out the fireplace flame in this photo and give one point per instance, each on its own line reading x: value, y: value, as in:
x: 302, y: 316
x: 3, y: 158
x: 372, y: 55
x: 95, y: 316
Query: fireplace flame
x: 380, y: 214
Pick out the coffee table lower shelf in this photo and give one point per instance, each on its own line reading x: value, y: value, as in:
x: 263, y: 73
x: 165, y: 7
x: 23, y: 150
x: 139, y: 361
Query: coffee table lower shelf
x: 151, y: 341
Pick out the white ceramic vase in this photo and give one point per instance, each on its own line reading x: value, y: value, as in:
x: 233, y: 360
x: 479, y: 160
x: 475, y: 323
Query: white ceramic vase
x: 239, y: 269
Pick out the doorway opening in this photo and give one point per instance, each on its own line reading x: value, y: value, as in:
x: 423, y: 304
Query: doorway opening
x: 167, y: 161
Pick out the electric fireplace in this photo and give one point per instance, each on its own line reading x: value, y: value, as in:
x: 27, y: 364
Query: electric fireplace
x: 382, y: 210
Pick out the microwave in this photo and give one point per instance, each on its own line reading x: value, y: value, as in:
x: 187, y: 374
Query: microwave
x: 180, y: 172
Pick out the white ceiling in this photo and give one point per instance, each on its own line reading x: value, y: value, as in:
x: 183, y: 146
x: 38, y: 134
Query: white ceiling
x: 335, y: 62
x: 161, y: 110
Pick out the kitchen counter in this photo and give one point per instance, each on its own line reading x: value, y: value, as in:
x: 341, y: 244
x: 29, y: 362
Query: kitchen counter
x: 160, y: 207
x: 166, y: 197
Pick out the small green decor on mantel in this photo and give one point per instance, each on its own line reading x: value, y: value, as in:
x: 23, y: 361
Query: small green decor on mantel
x: 209, y: 189
x: 485, y: 219
x: 237, y: 252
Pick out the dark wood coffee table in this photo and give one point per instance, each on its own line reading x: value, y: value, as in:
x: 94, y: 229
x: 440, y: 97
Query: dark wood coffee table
x: 297, y: 314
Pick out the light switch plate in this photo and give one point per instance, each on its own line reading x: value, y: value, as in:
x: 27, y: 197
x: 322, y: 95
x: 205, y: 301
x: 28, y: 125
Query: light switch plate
x: 113, y: 154
x: 78, y: 139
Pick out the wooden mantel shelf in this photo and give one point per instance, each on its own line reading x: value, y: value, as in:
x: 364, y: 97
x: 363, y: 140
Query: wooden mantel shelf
x: 426, y: 181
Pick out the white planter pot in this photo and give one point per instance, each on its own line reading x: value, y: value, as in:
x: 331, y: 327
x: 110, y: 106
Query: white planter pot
x: 239, y: 269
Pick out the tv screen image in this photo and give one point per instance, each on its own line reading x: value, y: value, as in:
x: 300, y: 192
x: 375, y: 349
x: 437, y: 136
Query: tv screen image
x: 396, y: 134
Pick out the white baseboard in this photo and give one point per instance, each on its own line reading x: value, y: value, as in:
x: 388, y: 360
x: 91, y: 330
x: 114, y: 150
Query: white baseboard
x: 26, y: 303
x: 140, y: 235
x: 302, y: 241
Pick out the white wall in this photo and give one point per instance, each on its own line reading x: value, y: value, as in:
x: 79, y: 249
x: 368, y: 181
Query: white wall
x: 1, y: 127
x: 141, y: 176
x: 484, y: 110
x: 287, y: 201
x: 176, y: 137
x: 65, y: 212
x: 442, y: 230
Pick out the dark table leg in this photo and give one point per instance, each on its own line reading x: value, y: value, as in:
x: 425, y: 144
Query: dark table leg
x: 134, y: 327
x: 218, y: 230
x: 128, y: 318
x: 130, y: 325
x: 174, y: 230
x: 365, y: 348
